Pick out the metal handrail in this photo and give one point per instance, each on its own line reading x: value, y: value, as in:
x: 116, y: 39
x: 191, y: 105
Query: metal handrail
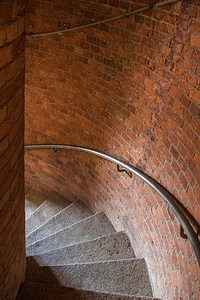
x: 179, y: 210
x: 125, y: 15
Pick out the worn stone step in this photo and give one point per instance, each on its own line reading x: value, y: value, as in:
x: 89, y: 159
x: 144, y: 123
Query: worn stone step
x: 110, y: 247
x: 90, y: 228
x: 56, y: 292
x: 33, y: 199
x: 47, y: 210
x: 129, y: 276
x: 73, y: 213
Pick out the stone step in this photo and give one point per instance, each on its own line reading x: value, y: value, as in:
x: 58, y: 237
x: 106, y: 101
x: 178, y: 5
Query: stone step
x: 110, y: 247
x: 56, y: 292
x: 33, y: 199
x: 72, y: 214
x: 129, y: 276
x: 88, y: 229
x: 47, y: 210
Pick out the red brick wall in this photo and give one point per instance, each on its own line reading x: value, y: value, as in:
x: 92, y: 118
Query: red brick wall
x: 130, y: 88
x: 12, y: 246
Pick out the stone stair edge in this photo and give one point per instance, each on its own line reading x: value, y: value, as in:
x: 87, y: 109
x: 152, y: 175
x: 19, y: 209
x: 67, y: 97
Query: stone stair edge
x: 35, y: 198
x: 48, y: 219
x: 47, y: 210
x: 97, y: 238
x: 92, y: 216
x: 93, y: 262
x: 73, y: 244
x: 56, y: 215
x: 48, y: 197
x: 109, y: 247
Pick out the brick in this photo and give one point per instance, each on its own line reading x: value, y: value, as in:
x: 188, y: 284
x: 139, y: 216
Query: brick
x: 174, y: 152
x: 7, y: 92
x: 18, y: 9
x: 6, y: 55
x: 195, y: 41
x: 192, y: 80
x: 5, y: 13
x: 188, y: 50
x: 194, y: 26
x: 12, y: 31
x: 2, y: 36
x: 185, y: 101
x: 195, y: 126
x: 46, y: 5
x: 3, y: 78
x: 3, y: 114
x: 195, y: 110
x: 194, y: 95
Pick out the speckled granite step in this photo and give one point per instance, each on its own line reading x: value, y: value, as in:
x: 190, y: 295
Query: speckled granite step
x: 73, y: 213
x: 56, y: 292
x: 33, y: 199
x: 128, y: 276
x: 110, y: 247
x: 90, y: 228
x: 76, y: 254
x: 47, y: 210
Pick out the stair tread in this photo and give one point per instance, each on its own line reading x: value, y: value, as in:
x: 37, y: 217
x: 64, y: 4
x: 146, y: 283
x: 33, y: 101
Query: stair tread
x: 33, y: 199
x: 47, y: 210
x: 73, y: 213
x: 56, y: 292
x: 122, y: 276
x: 92, y: 227
x: 110, y: 247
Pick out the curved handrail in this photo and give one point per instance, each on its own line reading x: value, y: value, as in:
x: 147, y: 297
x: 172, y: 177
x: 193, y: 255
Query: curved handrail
x: 179, y: 210
x: 126, y: 14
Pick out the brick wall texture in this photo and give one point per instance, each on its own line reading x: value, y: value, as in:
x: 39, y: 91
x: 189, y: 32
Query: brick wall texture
x: 12, y: 43
x: 130, y: 88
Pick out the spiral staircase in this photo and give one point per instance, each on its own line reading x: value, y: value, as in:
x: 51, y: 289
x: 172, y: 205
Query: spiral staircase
x: 74, y: 253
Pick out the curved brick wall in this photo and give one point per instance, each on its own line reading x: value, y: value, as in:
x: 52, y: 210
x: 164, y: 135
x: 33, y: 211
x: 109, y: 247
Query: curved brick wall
x: 129, y: 88
x: 12, y: 245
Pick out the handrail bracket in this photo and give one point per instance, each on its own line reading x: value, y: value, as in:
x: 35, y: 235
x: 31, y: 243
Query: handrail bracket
x: 124, y: 170
x: 182, y: 233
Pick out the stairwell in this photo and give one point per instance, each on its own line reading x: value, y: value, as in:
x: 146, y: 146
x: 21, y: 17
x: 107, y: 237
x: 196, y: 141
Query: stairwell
x: 74, y: 253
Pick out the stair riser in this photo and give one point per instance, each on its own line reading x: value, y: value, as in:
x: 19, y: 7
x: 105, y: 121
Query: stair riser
x: 126, y: 276
x: 67, y: 217
x: 47, y: 210
x: 111, y: 247
x: 54, y: 292
x: 88, y: 229
x: 33, y: 200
